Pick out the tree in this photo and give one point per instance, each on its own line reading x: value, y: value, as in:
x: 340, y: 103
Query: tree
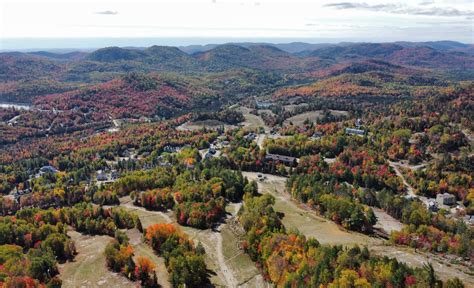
x: 42, y: 265
x: 144, y: 269
x: 454, y: 283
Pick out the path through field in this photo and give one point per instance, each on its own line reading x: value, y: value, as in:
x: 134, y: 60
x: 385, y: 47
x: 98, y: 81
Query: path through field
x: 229, y: 266
x: 303, y: 219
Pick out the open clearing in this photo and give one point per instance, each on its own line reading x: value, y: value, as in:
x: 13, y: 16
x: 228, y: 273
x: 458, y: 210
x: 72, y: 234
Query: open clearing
x: 89, y: 268
x: 305, y: 220
x: 208, y: 124
x: 293, y: 107
x: 312, y: 116
x: 301, y: 218
x: 229, y: 266
x: 386, y: 222
x: 252, y: 121
x: 142, y: 249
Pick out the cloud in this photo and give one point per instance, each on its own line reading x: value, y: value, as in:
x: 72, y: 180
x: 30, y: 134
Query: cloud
x: 108, y: 12
x: 403, y: 9
x: 427, y: 2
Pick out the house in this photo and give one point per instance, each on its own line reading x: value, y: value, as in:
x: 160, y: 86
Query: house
x: 469, y: 219
x: 287, y: 160
x: 101, y: 176
x: 47, y: 169
x: 263, y: 105
x: 317, y: 135
x: 171, y: 149
x: 433, y: 207
x: 114, y: 174
x: 352, y: 131
x: 446, y: 199
x: 250, y: 136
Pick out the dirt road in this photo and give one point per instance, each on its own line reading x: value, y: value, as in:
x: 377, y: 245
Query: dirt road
x: 410, y: 190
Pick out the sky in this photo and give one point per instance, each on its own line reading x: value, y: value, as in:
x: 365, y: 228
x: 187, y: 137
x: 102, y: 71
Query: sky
x: 27, y: 21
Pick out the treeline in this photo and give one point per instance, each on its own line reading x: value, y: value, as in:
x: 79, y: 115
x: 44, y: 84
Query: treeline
x: 288, y: 259
x: 228, y: 116
x: 33, y: 241
x: 30, y: 251
x: 185, y: 263
x: 86, y: 218
x: 119, y: 258
x: 323, y: 187
x: 424, y: 230
x: 449, y: 174
x: 198, y: 196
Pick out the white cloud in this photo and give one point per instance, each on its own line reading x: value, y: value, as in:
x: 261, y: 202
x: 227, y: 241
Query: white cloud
x: 238, y: 19
x: 106, y: 12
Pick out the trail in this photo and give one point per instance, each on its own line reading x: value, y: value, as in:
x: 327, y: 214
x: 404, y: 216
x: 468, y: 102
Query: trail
x: 410, y: 190
x: 260, y: 140
x: 215, y: 247
x: 133, y: 207
x: 230, y: 279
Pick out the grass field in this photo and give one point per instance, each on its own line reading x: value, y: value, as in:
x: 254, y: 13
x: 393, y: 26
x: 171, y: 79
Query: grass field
x: 312, y: 116
x: 252, y: 121
x: 300, y: 218
x: 89, y: 268
x: 228, y: 266
x: 305, y: 221
x: 292, y: 107
x: 208, y: 124
x: 142, y: 249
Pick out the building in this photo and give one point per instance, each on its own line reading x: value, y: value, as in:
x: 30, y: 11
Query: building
x: 250, y: 136
x: 102, y: 176
x: 352, y: 131
x: 47, y: 169
x: 446, y: 199
x: 172, y: 149
x: 287, y: 160
x: 316, y: 135
x: 263, y: 105
x: 114, y: 174
x: 433, y: 207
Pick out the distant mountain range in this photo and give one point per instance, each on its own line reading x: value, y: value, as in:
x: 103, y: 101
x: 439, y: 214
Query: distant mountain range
x: 281, y: 57
x: 224, y: 73
x: 298, y: 47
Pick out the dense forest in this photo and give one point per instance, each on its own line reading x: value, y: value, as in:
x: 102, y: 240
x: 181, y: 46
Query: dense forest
x: 166, y: 144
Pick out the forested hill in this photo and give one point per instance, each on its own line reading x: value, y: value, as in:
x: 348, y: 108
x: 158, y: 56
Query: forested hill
x: 207, y: 77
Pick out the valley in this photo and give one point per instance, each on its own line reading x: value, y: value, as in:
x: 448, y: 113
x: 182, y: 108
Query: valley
x: 238, y: 165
